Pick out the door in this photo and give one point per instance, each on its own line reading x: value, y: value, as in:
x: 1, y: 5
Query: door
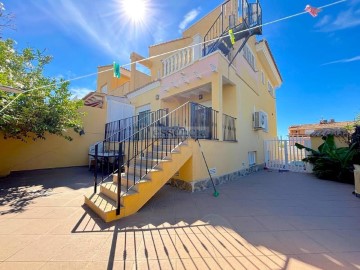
x: 201, y: 121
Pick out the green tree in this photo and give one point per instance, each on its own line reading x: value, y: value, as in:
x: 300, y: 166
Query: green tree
x: 43, y: 107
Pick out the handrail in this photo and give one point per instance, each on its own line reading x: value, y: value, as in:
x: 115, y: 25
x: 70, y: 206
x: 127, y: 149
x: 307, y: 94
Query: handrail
x: 221, y: 27
x: 141, y: 151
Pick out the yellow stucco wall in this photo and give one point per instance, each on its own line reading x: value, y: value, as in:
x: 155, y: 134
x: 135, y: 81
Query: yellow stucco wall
x: 106, y: 77
x: 202, y: 26
x: 317, y: 141
x: 54, y: 152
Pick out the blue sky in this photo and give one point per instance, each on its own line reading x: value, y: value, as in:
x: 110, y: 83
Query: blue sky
x: 319, y: 58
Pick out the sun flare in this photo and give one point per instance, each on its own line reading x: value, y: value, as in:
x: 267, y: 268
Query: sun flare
x: 135, y: 10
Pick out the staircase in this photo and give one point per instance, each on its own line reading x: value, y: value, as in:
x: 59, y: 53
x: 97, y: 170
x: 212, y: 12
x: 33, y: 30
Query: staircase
x: 137, y: 186
x: 128, y: 172
x: 244, y: 24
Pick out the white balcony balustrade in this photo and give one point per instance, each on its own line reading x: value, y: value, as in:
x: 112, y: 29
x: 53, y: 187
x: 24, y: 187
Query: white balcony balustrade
x: 178, y: 61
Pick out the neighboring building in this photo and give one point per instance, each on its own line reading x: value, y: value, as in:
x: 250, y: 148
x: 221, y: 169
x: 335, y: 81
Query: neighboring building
x: 224, y: 94
x: 305, y: 130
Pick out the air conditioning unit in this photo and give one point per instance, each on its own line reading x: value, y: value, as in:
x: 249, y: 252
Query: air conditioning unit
x: 260, y: 120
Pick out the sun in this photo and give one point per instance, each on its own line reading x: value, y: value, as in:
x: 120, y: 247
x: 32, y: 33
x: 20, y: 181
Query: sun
x: 135, y: 10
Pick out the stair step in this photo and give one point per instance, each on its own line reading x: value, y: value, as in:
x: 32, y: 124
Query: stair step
x: 110, y: 190
x: 131, y: 179
x: 140, y: 170
x: 102, y: 203
x: 113, y: 188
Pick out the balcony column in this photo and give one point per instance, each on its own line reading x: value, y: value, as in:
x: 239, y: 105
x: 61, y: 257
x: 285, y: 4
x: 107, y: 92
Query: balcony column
x: 217, y: 102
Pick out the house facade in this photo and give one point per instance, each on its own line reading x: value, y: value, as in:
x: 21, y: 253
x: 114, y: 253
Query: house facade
x: 207, y: 88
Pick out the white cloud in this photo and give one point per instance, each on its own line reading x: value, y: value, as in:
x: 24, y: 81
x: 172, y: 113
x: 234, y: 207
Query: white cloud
x: 348, y: 18
x: 159, y: 34
x: 345, y: 60
x: 188, y: 18
x: 324, y: 21
x: 80, y: 92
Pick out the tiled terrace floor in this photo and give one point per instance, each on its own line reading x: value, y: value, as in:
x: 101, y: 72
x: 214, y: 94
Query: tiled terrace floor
x: 266, y: 220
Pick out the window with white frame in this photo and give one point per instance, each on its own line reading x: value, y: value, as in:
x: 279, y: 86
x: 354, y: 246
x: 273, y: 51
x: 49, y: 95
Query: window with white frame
x: 104, y: 89
x: 270, y: 88
x: 252, y: 158
x: 249, y: 56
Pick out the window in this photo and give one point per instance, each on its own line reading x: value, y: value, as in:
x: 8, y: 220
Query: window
x: 262, y: 77
x: 252, y: 158
x: 266, y: 129
x: 270, y: 88
x: 104, y: 89
x: 249, y: 56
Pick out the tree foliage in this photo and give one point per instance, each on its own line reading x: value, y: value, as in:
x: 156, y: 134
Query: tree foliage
x: 45, y: 105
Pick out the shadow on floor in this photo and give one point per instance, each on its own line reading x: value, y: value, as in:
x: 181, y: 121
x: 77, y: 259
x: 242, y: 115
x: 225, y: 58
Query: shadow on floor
x: 20, y: 189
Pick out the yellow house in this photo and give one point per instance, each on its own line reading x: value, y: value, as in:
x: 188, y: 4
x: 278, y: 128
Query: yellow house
x: 207, y: 91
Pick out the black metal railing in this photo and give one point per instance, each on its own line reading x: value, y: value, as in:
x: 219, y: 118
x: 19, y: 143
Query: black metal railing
x: 126, y: 126
x: 133, y: 157
x: 217, y: 37
x: 229, y: 128
x: 252, y: 15
x: 216, y: 29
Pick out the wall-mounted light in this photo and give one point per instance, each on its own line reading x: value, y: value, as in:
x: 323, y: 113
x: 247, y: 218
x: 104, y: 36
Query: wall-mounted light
x: 200, y: 96
x: 157, y: 97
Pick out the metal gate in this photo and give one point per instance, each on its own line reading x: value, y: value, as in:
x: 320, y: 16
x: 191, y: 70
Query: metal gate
x: 284, y: 155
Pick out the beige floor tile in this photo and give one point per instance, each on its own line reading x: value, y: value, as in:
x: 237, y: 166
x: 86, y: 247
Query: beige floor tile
x: 123, y: 246
x: 80, y: 248
x: 8, y: 226
x: 34, y: 212
x: 152, y: 247
x: 247, y: 224
x: 64, y: 266
x: 49, y: 201
x: 10, y: 244
x: 162, y: 264
x: 298, y: 242
x: 191, y: 245
x: 198, y: 263
x: 275, y: 223
x: 353, y: 258
x: 324, y: 261
x: 41, y: 250
x: 61, y: 212
x: 332, y: 241
x: 36, y: 226
x: 124, y: 265
x: 21, y: 265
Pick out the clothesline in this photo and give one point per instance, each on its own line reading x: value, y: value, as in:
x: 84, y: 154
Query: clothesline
x: 169, y: 52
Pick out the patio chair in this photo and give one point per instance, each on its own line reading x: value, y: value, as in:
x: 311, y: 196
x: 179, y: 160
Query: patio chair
x: 92, y: 151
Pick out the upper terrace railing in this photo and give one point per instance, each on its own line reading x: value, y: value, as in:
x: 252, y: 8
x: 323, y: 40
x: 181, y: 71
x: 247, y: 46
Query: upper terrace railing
x: 127, y: 126
x: 178, y: 61
x: 219, y: 26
